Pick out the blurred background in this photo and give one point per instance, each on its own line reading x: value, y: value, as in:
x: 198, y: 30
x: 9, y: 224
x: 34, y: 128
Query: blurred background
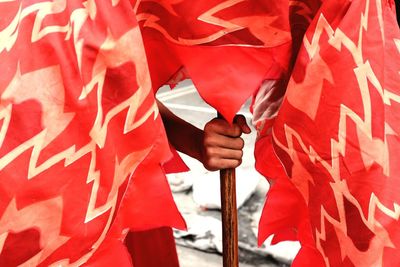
x: 197, y: 194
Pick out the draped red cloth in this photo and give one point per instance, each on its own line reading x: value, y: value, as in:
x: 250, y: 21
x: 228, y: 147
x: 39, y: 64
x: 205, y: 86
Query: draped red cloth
x: 332, y: 147
x: 82, y: 144
x: 225, y: 47
x: 81, y: 141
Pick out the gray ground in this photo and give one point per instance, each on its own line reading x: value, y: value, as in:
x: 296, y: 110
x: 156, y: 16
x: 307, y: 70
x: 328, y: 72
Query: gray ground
x: 194, y: 258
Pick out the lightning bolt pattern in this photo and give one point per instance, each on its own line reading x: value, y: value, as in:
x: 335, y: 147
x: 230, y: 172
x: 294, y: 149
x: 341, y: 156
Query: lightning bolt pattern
x: 212, y: 18
x: 235, y: 33
x: 336, y: 132
x: 75, y: 126
x: 81, y: 140
x: 78, y: 119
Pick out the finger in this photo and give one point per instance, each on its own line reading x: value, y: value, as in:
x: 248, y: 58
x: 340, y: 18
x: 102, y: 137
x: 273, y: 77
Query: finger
x: 219, y: 164
x: 222, y: 127
x: 240, y: 120
x: 218, y: 140
x: 224, y: 153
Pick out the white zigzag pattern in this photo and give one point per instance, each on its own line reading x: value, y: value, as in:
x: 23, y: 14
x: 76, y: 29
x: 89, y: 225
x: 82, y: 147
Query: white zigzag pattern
x: 364, y: 73
x: 70, y: 155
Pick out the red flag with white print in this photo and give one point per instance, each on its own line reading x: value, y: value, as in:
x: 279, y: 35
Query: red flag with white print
x: 332, y: 147
x: 81, y: 140
x: 227, y: 47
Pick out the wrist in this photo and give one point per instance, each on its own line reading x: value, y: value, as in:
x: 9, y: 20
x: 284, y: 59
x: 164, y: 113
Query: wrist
x: 198, y: 151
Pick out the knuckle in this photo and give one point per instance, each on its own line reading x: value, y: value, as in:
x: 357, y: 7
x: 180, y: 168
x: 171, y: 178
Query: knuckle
x: 240, y: 143
x: 237, y: 163
x: 236, y: 130
x: 207, y: 140
x: 233, y: 163
x: 210, y: 139
x: 208, y: 127
x: 211, y: 124
x: 212, y: 164
x: 209, y: 152
x: 212, y: 152
x: 223, y: 164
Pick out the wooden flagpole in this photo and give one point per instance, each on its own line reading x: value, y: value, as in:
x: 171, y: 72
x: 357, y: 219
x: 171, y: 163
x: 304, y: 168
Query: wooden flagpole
x: 229, y: 217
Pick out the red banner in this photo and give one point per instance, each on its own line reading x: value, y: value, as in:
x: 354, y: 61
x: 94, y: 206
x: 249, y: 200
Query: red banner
x: 227, y: 47
x: 81, y: 140
x: 336, y: 136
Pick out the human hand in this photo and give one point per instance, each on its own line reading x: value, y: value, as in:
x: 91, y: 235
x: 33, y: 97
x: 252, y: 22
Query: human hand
x: 222, y: 144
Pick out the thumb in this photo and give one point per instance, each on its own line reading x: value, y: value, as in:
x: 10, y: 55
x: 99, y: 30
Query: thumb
x: 240, y: 120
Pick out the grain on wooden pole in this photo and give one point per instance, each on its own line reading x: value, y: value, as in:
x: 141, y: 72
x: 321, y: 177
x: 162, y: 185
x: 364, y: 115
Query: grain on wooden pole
x: 229, y: 217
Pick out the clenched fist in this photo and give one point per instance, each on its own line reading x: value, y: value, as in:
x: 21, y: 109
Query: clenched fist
x: 218, y: 147
x: 222, y: 146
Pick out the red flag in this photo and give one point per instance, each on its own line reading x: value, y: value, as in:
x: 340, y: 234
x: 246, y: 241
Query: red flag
x: 152, y: 248
x: 223, y: 45
x: 78, y: 126
x: 336, y: 136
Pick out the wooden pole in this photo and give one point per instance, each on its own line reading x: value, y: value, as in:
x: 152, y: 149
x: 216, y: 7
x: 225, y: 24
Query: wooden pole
x: 229, y: 217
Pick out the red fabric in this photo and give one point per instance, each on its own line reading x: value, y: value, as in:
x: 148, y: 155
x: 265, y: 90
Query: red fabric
x: 175, y: 164
x: 82, y: 145
x: 221, y: 46
x: 336, y: 139
x: 111, y: 253
x: 152, y: 248
x: 78, y: 120
x: 224, y: 46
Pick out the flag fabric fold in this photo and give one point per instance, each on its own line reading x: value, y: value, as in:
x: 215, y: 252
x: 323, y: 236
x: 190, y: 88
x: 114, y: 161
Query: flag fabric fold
x: 79, y: 125
x: 223, y: 46
x: 81, y: 140
x: 82, y: 143
x: 330, y: 144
